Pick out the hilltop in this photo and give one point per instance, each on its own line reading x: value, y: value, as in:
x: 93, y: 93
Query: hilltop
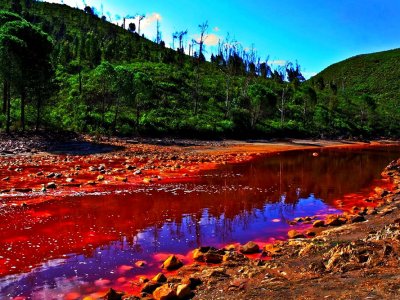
x: 375, y: 74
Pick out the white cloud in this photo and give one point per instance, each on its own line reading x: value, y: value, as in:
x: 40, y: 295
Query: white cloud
x: 278, y: 62
x: 210, y: 40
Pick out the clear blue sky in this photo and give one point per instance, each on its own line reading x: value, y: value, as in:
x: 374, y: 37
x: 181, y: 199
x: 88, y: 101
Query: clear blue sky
x: 316, y: 33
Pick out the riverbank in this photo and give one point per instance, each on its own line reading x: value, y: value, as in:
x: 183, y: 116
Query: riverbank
x: 130, y: 163
x: 41, y: 167
x: 353, y: 256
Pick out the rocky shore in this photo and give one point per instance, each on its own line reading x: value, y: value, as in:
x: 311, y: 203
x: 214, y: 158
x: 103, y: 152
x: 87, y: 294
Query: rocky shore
x: 355, y: 255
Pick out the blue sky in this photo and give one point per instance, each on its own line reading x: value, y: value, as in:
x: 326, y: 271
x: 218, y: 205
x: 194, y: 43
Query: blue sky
x: 316, y: 33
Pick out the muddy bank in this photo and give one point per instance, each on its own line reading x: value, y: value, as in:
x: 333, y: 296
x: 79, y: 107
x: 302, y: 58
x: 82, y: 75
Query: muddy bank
x: 352, y: 256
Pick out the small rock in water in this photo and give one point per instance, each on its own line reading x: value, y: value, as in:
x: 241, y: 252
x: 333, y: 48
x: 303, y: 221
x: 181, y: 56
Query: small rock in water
x: 51, y: 185
x: 113, y: 295
x: 172, y: 263
x: 140, y: 264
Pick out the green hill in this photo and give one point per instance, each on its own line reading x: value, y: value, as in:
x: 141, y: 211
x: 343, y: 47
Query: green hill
x: 104, y: 79
x: 375, y: 74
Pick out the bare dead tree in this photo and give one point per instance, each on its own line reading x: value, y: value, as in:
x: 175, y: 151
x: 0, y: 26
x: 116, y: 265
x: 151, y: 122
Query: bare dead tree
x: 158, y: 38
x: 181, y: 35
x: 203, y: 36
x: 140, y: 19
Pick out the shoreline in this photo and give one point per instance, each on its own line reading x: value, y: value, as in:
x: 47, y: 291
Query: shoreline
x: 343, y: 250
x: 217, y: 154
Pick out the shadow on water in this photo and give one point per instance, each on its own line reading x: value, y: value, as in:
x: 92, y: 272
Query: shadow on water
x: 81, y: 148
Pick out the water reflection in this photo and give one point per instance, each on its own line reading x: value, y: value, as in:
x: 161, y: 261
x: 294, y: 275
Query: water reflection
x: 86, y: 243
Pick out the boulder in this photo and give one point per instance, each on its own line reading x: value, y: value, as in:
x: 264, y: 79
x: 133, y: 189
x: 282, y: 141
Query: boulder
x: 293, y: 234
x: 213, y: 257
x: 164, y: 293
x: 172, y: 263
x: 250, y: 248
x: 183, y: 291
x: 198, y: 255
x: 113, y: 295
x: 319, y: 223
x: 193, y: 282
x: 160, y: 278
x: 357, y: 219
x: 150, y: 286
x: 334, y: 220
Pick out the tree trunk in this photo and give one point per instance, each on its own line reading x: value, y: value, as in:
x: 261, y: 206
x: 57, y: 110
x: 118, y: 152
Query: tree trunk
x: 116, y: 116
x: 38, y: 106
x: 4, y: 96
x: 8, y: 97
x: 23, y: 98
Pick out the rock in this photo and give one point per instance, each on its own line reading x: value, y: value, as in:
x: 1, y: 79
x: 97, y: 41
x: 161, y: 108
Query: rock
x: 311, y: 233
x: 234, y: 256
x: 140, y: 264
x: 150, y: 286
x: 357, y: 219
x: 50, y: 175
x: 160, y: 278
x: 6, y: 178
x: 23, y: 190
x: 130, y: 167
x: 69, y: 180
x: 164, y: 293
x: 213, y: 257
x: 319, y: 223
x: 100, y: 178
x: 183, y: 291
x: 113, y: 295
x: 381, y: 192
x: 334, y: 220
x: 193, y: 282
x: 230, y: 247
x: 122, y: 179
x: 293, y: 234
x: 271, y: 250
x: 137, y: 172
x: 143, y: 279
x: 172, y: 263
x: 250, y: 248
x: 198, y: 255
x: 51, y: 185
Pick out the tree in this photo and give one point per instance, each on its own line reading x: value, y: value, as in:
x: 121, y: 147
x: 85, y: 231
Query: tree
x: 26, y: 50
x: 132, y: 27
x: 16, y: 6
x: 203, y: 36
x: 88, y: 10
x: 140, y: 18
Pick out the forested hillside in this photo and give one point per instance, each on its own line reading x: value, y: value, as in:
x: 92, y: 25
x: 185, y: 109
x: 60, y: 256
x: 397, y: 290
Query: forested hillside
x: 69, y: 69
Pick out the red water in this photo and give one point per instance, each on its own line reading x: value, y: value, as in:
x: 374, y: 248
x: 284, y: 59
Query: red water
x: 79, y: 245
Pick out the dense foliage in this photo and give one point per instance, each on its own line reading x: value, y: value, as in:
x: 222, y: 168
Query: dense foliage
x: 63, y: 68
